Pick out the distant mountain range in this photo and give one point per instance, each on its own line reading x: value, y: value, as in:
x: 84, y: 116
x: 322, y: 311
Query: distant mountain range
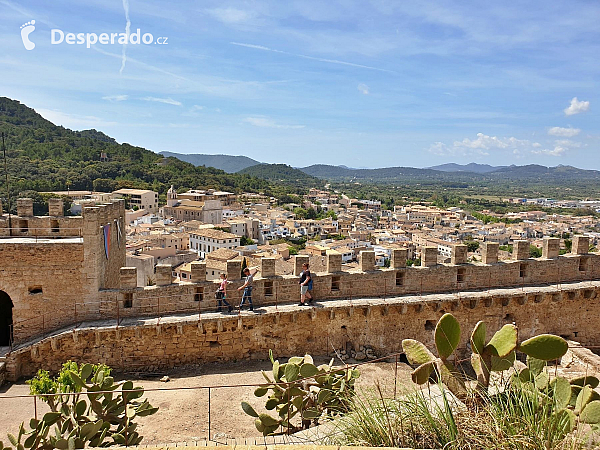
x: 447, y: 173
x: 450, y: 172
x: 227, y: 163
x: 471, y: 167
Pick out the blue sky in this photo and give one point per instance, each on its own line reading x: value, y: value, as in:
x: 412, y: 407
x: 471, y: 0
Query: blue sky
x: 365, y: 84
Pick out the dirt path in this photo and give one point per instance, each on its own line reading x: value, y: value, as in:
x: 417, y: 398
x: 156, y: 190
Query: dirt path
x: 183, y: 414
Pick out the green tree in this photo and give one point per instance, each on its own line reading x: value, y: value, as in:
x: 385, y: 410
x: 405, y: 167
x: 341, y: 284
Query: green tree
x: 535, y: 252
x: 104, y: 185
x: 471, y: 245
x: 246, y: 241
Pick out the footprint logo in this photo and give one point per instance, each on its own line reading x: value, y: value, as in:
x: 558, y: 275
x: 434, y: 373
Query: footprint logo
x: 26, y: 30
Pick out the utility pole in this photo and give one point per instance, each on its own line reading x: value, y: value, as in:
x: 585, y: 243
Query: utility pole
x: 7, y: 186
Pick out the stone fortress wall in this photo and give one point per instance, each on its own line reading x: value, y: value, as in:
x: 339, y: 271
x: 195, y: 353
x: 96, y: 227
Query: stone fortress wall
x: 167, y: 324
x: 50, y: 266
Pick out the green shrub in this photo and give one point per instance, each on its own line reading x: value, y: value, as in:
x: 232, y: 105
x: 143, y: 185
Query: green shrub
x: 97, y: 414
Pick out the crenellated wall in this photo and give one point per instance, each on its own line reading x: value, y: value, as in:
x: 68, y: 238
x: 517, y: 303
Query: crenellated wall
x: 71, y: 301
x: 52, y: 266
x: 125, y: 300
x: 148, y: 345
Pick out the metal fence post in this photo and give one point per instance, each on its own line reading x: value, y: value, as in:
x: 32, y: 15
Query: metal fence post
x: 209, y: 423
x: 395, y: 376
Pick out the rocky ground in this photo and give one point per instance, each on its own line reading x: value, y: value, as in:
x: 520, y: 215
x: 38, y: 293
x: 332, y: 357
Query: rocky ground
x: 183, y: 414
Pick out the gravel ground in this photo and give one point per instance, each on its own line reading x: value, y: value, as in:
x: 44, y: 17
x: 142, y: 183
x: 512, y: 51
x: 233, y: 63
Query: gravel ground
x: 183, y: 414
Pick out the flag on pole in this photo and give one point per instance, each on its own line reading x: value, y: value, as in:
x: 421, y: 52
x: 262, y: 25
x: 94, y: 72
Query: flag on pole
x: 106, y: 229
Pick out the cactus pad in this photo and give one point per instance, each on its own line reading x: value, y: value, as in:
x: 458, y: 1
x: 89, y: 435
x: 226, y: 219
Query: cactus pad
x: 447, y: 335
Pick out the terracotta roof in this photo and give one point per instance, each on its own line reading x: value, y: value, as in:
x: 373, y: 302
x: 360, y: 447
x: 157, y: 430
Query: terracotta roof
x: 222, y: 254
x: 215, y: 234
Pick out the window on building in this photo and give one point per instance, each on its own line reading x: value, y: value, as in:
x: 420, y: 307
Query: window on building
x: 399, y: 278
x: 128, y: 300
x: 335, y: 283
x: 522, y: 270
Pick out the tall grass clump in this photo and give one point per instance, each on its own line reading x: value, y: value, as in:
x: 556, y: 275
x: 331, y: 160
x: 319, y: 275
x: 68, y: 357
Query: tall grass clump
x: 426, y: 419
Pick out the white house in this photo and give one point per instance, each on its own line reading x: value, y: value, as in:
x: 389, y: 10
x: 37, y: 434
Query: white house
x: 208, y: 240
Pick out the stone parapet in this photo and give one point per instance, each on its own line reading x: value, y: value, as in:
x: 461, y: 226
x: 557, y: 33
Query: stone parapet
x: 580, y: 245
x: 334, y: 262
x: 128, y: 278
x: 55, y: 207
x: 168, y: 342
x: 164, y: 275
x: 429, y: 256
x: 520, y: 250
x: 198, y: 271
x: 399, y: 257
x: 234, y: 270
x: 25, y: 207
x: 267, y: 267
x: 459, y: 254
x: 367, y: 261
x: 550, y: 248
x: 489, y: 252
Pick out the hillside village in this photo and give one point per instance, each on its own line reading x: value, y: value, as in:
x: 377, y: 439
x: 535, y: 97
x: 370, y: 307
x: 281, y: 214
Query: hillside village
x: 218, y: 226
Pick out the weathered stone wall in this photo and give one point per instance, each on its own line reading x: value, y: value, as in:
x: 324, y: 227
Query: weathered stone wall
x: 572, y: 312
x: 42, y: 277
x: 53, y: 267
x: 171, y: 298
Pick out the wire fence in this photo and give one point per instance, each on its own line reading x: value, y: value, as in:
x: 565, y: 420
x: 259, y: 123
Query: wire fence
x: 207, y: 402
x: 212, y: 415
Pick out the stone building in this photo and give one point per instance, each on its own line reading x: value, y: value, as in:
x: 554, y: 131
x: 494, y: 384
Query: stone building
x: 208, y: 240
x: 49, y: 263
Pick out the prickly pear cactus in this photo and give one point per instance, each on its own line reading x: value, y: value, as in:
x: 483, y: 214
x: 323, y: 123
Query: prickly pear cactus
x: 447, y: 338
x: 497, y: 355
x: 87, y: 419
x: 301, y: 393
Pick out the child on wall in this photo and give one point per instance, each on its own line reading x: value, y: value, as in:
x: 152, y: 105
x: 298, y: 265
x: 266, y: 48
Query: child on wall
x: 247, y: 287
x: 306, y: 284
x: 221, y: 294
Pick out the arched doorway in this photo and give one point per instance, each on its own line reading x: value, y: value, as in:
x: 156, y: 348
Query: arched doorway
x: 6, y: 306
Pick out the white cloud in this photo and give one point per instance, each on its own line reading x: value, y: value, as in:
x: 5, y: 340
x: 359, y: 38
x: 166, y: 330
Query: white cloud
x: 73, y: 121
x: 481, y: 146
x: 561, y: 146
x: 567, y: 143
x: 115, y: 98
x: 231, y: 15
x: 168, y: 101
x: 576, y: 107
x: 265, y: 122
x: 564, y: 132
x: 557, y: 151
x: 197, y: 108
x: 363, y: 88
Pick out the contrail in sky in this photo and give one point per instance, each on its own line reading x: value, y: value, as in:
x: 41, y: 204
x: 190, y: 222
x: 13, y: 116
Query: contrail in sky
x: 127, y: 31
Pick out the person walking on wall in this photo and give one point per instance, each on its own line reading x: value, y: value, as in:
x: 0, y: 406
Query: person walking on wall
x: 221, y: 294
x: 306, y: 284
x: 247, y: 287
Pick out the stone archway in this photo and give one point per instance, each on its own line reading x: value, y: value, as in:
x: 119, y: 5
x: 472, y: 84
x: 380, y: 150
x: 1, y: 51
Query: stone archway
x: 6, y: 319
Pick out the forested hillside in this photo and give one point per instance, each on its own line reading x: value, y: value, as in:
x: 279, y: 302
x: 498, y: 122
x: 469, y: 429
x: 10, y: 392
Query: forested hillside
x: 282, y: 173
x: 228, y: 163
x: 44, y: 157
